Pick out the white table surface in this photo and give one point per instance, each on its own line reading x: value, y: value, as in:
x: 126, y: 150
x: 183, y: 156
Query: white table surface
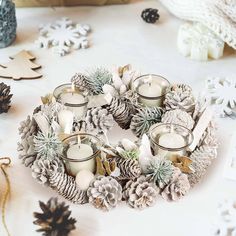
x: 119, y: 37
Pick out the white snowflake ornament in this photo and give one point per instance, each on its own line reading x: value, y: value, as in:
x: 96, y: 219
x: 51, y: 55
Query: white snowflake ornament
x: 63, y: 35
x: 222, y: 93
x: 226, y: 223
x: 199, y: 42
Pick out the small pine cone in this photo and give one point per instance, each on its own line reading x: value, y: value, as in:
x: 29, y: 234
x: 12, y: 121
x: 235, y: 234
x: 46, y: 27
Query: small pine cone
x: 180, y: 96
x: 26, y: 151
x: 178, y: 186
x: 43, y: 168
x: 55, y: 218
x: 129, y: 168
x: 28, y: 128
x: 66, y: 186
x: 104, y: 193
x: 122, y: 111
x: 144, y: 119
x: 202, y: 158
x: 80, y: 81
x: 5, y: 98
x: 150, y: 15
x: 140, y: 193
x: 98, y: 120
x: 178, y: 117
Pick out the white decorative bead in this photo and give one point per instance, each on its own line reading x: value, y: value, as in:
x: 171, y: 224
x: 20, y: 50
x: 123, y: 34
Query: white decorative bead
x: 83, y: 179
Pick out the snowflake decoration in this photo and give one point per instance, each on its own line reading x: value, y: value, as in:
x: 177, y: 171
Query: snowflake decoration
x: 222, y: 93
x: 226, y: 223
x: 63, y: 36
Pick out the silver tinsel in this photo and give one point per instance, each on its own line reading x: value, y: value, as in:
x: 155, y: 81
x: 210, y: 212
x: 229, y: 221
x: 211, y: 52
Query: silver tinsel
x: 66, y: 186
x: 98, y: 120
x: 160, y: 170
x: 104, y: 193
x: 180, y: 96
x: 129, y: 168
x: 144, y: 119
x: 178, y: 117
x: 47, y: 145
x: 178, y: 186
x: 122, y: 110
x: 42, y: 169
x: 140, y: 193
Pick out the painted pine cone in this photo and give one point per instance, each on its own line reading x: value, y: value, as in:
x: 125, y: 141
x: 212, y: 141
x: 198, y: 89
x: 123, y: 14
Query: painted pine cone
x: 178, y: 186
x: 179, y: 97
x: 178, y: 117
x: 129, y: 168
x: 140, y: 193
x: 80, y: 81
x: 5, y: 98
x: 150, y: 15
x: 104, y: 193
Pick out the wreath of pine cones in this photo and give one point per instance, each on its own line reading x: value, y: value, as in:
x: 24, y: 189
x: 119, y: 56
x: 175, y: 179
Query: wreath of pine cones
x: 119, y: 176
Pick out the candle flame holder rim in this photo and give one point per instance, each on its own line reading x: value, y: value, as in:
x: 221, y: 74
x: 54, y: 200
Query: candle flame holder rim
x: 76, y: 88
x: 154, y: 75
x: 64, y: 157
x: 171, y: 124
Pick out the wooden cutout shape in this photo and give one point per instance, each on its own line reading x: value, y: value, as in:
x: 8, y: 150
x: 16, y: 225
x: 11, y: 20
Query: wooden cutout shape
x: 21, y: 67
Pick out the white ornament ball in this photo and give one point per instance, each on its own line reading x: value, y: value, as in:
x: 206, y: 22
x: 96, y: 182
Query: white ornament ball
x: 83, y: 179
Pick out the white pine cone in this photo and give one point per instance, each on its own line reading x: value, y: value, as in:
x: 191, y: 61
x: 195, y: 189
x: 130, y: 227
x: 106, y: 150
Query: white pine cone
x: 129, y: 168
x: 66, y: 186
x: 179, y: 97
x: 140, y: 193
x: 104, y: 193
x: 178, y: 186
x: 202, y: 158
x: 27, y: 128
x: 144, y: 119
x: 178, y: 117
x: 80, y: 81
x: 98, y: 120
x: 26, y: 151
x: 43, y: 168
x: 122, y: 111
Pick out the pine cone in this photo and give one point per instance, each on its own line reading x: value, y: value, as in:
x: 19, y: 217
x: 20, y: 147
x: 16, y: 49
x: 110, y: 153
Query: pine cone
x: 202, y: 158
x: 178, y: 186
x: 28, y: 128
x: 129, y: 168
x: 43, y: 168
x: 81, y: 81
x: 26, y: 151
x: 122, y: 111
x: 178, y: 117
x: 160, y: 170
x: 5, y: 98
x: 144, y: 119
x: 140, y: 193
x: 179, y: 97
x: 55, y: 218
x: 98, y: 120
x: 66, y: 186
x: 150, y: 15
x: 104, y: 193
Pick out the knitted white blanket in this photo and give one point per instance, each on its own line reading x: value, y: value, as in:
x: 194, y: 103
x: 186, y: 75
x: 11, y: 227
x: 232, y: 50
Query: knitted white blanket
x: 218, y: 15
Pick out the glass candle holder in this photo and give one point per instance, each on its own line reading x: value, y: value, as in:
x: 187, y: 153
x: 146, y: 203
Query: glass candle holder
x: 72, y: 97
x: 151, y: 89
x: 80, y: 152
x: 170, y: 139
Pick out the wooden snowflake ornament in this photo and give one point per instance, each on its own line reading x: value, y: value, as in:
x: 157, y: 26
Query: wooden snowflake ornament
x: 20, y: 67
x: 222, y: 93
x: 63, y: 35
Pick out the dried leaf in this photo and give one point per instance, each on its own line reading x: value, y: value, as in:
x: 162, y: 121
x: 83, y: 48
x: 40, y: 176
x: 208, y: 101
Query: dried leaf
x: 182, y: 162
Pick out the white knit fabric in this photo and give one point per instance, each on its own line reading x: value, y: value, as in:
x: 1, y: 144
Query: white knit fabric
x: 218, y: 15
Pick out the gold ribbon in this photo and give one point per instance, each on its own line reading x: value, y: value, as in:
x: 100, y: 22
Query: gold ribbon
x: 4, y: 164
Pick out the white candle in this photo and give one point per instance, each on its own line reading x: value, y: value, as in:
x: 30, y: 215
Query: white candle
x: 74, y: 98
x: 79, y: 152
x: 150, y: 89
x: 172, y: 141
x: 65, y: 119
